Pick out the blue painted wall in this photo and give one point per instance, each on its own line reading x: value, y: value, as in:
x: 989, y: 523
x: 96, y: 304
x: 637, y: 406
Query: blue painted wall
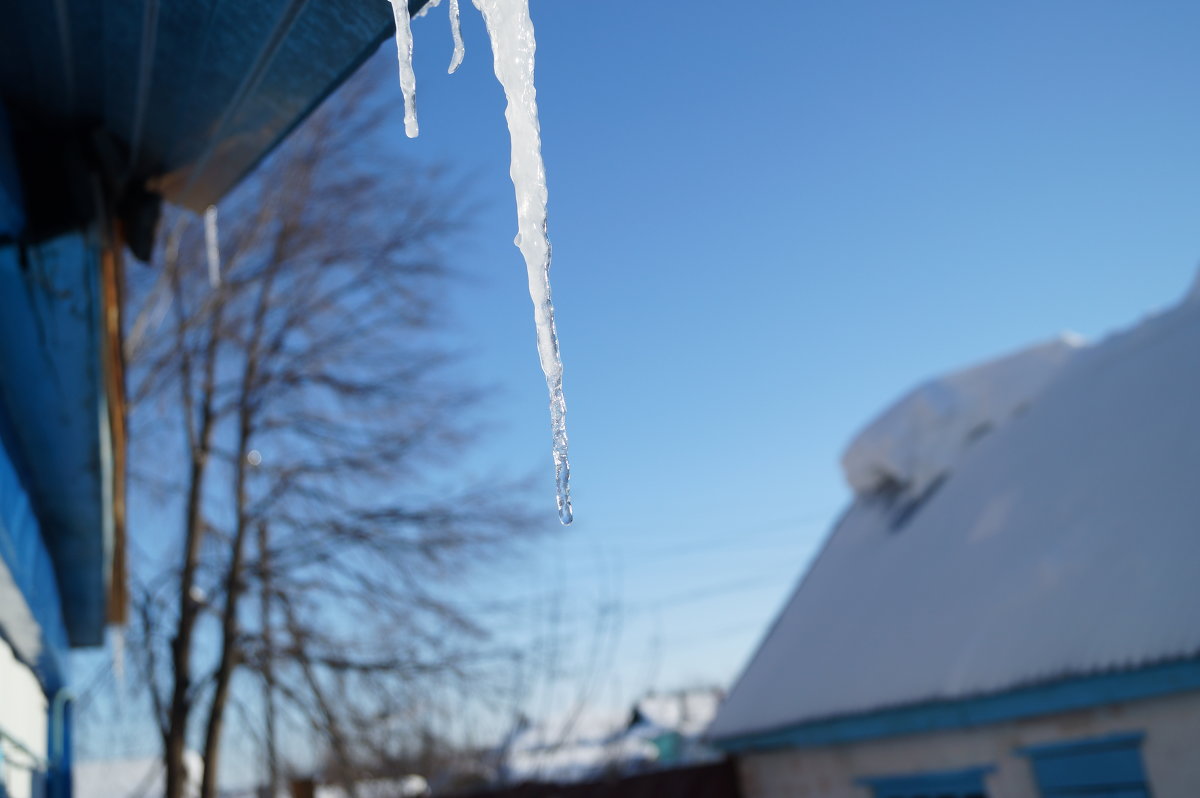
x: 53, y: 419
x: 55, y: 426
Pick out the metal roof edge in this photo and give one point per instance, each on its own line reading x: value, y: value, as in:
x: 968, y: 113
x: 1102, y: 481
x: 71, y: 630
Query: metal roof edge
x: 1061, y: 695
x: 183, y: 176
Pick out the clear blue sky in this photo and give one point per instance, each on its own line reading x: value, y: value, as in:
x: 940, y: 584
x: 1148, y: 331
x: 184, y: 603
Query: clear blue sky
x: 768, y: 220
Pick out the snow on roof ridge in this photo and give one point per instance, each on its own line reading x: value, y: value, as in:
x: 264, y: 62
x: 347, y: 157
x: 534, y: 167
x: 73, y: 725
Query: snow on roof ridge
x: 918, y: 439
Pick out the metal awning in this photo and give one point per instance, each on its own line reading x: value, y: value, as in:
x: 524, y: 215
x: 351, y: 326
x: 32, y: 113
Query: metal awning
x: 191, y: 94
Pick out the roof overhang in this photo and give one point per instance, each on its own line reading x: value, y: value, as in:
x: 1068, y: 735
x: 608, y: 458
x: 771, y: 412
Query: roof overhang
x: 178, y: 100
x: 110, y: 109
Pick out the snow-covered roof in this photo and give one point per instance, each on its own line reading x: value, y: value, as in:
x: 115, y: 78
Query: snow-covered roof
x: 141, y: 777
x: 412, y: 786
x: 1063, y: 542
x: 597, y: 743
x: 587, y: 747
x: 578, y: 759
x: 688, y: 712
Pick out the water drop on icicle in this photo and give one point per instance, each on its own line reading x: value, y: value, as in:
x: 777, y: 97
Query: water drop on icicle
x: 408, y: 78
x: 212, y: 246
x: 456, y: 31
x: 511, y: 32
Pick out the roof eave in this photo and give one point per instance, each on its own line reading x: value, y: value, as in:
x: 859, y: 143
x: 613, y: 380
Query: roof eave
x: 1067, y: 694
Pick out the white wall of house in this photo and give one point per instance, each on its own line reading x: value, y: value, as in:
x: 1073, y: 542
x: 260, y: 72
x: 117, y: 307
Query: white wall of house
x: 23, y: 718
x: 1169, y: 753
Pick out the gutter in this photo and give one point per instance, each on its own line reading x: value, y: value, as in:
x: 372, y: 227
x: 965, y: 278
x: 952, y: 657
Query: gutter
x: 1060, y: 696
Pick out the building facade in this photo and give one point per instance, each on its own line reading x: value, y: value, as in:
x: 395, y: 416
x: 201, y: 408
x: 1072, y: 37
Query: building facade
x: 61, y: 510
x: 107, y: 111
x: 1008, y: 607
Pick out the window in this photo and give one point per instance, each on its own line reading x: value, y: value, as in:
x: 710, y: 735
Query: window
x: 955, y: 784
x: 1105, y: 767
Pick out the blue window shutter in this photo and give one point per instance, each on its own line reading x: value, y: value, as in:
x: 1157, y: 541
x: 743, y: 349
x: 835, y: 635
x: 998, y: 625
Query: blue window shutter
x: 950, y: 784
x: 1107, y: 767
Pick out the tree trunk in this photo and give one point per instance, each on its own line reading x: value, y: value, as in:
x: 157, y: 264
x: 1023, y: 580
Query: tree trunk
x: 268, y: 663
x: 234, y: 578
x: 199, y: 444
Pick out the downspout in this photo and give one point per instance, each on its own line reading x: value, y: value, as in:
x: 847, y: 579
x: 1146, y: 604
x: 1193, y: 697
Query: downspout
x: 58, y: 770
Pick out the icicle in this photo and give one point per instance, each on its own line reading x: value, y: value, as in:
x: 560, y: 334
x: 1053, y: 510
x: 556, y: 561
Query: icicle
x: 408, y: 79
x: 212, y: 245
x: 118, y: 649
x: 511, y: 32
x: 456, y: 32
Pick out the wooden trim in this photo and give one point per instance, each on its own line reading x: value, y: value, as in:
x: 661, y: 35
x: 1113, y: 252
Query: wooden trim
x: 112, y: 274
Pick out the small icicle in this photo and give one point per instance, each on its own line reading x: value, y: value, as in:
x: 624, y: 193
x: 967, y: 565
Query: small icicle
x: 456, y: 32
x: 212, y: 246
x: 511, y: 32
x: 408, y: 78
x: 118, y: 651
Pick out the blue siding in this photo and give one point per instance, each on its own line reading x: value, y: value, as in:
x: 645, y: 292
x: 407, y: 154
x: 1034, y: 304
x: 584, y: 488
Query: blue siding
x: 24, y: 554
x: 1060, y: 696
x: 55, y: 426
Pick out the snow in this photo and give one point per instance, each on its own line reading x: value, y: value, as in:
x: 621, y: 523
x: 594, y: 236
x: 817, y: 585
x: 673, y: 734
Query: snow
x: 688, y: 712
x: 408, y: 78
x: 919, y: 438
x: 403, y: 787
x: 212, y: 246
x: 1062, y: 543
x: 132, y: 778
x: 579, y: 758
x: 23, y: 739
x: 511, y: 32
x: 602, y: 743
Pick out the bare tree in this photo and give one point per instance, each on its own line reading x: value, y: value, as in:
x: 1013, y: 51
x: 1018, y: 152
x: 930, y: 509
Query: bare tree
x: 297, y: 403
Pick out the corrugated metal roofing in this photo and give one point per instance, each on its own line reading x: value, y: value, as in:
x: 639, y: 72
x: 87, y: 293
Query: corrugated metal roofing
x: 1065, y: 542
x: 196, y: 92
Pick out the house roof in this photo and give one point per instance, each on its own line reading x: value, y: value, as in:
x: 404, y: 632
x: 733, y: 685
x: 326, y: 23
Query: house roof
x: 1062, y: 543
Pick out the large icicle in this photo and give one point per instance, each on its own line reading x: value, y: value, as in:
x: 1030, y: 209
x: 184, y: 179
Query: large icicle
x: 408, y: 78
x: 511, y: 32
x: 456, y: 31
x: 212, y: 246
